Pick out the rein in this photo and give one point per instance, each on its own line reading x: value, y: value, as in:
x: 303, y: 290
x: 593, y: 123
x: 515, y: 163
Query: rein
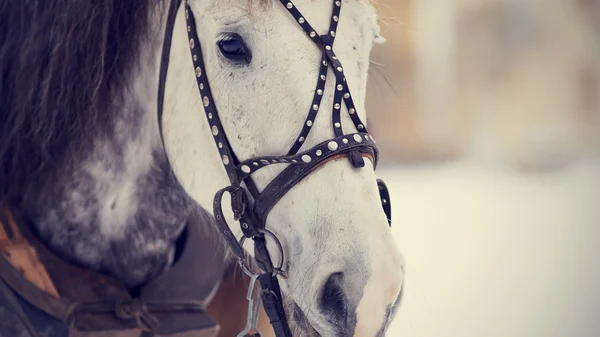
x: 251, y: 211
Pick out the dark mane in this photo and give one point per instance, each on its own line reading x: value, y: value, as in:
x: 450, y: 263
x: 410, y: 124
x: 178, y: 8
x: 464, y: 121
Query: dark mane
x: 63, y: 65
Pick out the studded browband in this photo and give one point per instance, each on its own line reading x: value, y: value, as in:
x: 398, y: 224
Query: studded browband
x: 252, y: 214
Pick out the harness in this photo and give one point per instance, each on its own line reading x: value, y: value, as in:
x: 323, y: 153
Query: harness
x: 251, y: 207
x: 52, y: 298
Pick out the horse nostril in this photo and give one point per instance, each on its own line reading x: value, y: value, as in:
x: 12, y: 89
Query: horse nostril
x: 334, y: 302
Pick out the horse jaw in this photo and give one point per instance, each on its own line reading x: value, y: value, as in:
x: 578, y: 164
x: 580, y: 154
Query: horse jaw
x: 332, y: 221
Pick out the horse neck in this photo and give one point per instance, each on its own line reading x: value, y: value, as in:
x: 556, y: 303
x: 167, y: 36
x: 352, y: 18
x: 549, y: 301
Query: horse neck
x: 117, y: 207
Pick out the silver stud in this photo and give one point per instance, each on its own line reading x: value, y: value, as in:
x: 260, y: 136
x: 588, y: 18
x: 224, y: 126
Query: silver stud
x: 195, y: 57
x: 334, y: 57
x: 210, y: 115
x: 384, y: 201
x: 328, y: 47
x: 225, y: 160
x: 335, y: 18
x: 198, y: 72
x: 319, y: 92
x: 367, y: 137
x: 306, y: 158
x: 301, y: 20
x: 255, y: 163
x: 206, y: 101
x: 192, y: 44
x: 289, y: 5
x: 323, y: 77
x: 246, y: 169
x: 340, y: 69
x: 316, y: 107
x: 187, y: 14
x: 325, y: 63
x: 319, y: 153
x: 294, y: 161
x: 358, y: 138
x: 344, y: 140
x: 340, y: 87
x: 337, y: 106
x: 201, y: 86
x: 265, y: 162
x: 308, y: 123
x: 360, y: 126
x: 301, y: 139
x: 338, y: 3
x: 220, y: 145
x: 352, y: 111
x: 332, y: 145
x: 332, y: 33
x: 273, y: 161
x: 337, y: 124
x: 346, y: 95
x: 313, y: 34
x: 215, y: 130
x: 189, y: 29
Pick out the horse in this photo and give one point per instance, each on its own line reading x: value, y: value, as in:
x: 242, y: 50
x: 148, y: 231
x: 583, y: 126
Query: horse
x: 122, y: 202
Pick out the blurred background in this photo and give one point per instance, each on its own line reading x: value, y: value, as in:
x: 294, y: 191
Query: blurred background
x: 487, y: 113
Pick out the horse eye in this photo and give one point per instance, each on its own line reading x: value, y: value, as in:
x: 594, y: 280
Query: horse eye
x: 232, y: 46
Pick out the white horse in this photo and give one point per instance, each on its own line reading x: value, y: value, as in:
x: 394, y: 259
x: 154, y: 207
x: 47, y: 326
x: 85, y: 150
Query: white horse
x: 108, y: 201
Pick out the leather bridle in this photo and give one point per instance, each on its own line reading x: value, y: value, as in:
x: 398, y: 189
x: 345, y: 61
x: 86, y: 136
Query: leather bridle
x: 252, y: 213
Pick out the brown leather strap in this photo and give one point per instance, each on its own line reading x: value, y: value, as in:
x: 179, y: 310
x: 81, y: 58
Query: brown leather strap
x: 22, y: 256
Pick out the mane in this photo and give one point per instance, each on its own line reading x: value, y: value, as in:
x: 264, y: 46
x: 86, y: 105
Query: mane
x: 63, y: 68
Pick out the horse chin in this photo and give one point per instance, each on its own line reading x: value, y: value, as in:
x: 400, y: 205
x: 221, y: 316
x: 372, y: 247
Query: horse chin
x: 299, y: 323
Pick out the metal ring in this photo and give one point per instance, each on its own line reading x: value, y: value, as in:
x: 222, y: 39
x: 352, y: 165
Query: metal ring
x: 277, y: 270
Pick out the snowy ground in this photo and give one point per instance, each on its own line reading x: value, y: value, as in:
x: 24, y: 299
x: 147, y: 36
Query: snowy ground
x: 492, y: 253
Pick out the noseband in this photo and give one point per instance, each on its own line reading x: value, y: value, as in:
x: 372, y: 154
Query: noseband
x: 252, y: 211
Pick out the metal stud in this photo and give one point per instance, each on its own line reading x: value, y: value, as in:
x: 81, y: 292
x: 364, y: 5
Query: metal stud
x: 246, y: 169
x: 325, y: 63
x: 189, y: 29
x: 220, y: 145
x: 192, y: 44
x: 352, y: 111
x: 187, y: 14
x: 338, y: 3
x: 337, y: 124
x: 340, y: 87
x: 306, y: 158
x: 195, y: 57
x: 301, y: 20
x: 225, y: 160
x: 255, y: 163
x: 198, y: 72
x: 265, y: 162
x: 301, y: 139
x: 201, y: 86
x: 316, y: 107
x: 332, y: 33
x: 309, y: 123
x: 328, y: 47
x: 319, y: 92
x: 206, y: 101
x: 332, y: 145
x: 294, y: 161
x: 346, y: 95
x: 344, y: 140
x: 215, y: 130
x: 289, y: 5
x: 367, y: 137
x: 335, y: 18
x: 340, y: 69
x: 210, y: 115
x: 313, y: 34
x: 337, y: 106
x: 323, y: 77
x: 358, y: 138
x: 360, y: 126
x: 319, y: 153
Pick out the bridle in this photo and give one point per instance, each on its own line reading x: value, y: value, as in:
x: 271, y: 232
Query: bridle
x: 252, y: 211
